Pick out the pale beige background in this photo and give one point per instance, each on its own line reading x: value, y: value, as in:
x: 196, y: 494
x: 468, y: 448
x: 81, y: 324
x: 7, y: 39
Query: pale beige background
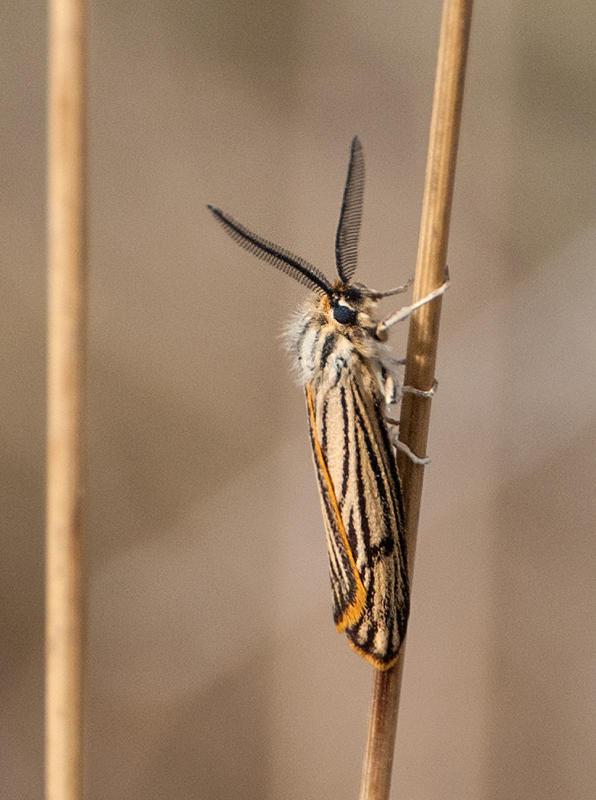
x: 214, y: 670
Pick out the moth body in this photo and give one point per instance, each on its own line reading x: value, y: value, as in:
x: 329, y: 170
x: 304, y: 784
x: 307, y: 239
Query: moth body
x: 349, y: 377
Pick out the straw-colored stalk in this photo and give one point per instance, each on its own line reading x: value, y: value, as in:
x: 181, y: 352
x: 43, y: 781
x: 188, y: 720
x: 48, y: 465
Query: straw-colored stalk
x: 66, y: 400
x: 422, y: 351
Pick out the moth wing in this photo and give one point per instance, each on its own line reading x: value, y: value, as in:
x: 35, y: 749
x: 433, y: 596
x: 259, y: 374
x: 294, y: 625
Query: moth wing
x: 349, y: 594
x: 373, y: 497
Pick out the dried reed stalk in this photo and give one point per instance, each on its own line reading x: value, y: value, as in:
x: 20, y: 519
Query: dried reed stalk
x: 422, y: 350
x: 66, y: 399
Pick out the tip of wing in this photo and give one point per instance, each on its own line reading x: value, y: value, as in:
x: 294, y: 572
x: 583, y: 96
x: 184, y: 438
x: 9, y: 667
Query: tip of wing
x: 379, y: 663
x: 353, y: 612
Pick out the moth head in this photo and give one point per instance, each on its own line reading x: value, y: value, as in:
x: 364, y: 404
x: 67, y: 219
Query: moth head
x: 348, y: 302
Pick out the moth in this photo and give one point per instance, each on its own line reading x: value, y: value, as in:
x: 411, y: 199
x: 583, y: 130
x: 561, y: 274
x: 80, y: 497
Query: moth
x: 350, y: 380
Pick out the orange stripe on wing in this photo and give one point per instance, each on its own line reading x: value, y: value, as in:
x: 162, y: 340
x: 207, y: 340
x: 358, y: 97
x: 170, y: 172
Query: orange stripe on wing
x: 353, y: 613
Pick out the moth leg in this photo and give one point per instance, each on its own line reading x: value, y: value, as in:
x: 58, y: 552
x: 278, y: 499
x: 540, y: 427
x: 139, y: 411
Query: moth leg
x: 420, y: 392
x: 394, y: 391
x: 410, y: 453
x: 404, y: 313
x: 399, y: 445
x: 398, y: 290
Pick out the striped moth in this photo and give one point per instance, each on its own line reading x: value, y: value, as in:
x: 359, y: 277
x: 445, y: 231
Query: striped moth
x: 350, y: 380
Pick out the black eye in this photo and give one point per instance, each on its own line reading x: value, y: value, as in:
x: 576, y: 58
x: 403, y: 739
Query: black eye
x: 344, y: 315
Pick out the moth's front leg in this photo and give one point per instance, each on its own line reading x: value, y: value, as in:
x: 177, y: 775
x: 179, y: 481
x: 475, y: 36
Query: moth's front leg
x: 406, y: 311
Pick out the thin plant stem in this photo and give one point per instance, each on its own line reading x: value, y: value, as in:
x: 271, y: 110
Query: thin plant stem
x: 421, y: 355
x: 66, y: 399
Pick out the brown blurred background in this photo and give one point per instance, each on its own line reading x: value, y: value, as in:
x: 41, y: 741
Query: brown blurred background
x: 213, y: 668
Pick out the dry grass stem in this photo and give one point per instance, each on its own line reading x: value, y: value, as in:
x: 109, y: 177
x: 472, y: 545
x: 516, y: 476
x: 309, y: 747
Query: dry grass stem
x: 421, y: 355
x: 66, y: 399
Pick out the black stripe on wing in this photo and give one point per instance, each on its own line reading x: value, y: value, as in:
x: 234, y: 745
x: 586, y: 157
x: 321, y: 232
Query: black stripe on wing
x: 287, y: 262
x: 347, y: 588
x: 378, y: 634
x: 348, y: 230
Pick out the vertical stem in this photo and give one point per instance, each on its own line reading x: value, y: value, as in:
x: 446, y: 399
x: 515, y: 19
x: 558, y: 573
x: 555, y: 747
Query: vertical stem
x: 66, y: 400
x: 422, y: 351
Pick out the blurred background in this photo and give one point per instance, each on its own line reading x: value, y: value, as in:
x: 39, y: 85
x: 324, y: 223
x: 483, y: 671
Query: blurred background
x: 213, y: 667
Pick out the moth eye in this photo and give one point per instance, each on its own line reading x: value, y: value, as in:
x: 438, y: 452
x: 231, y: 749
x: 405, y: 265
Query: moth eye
x: 344, y: 315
